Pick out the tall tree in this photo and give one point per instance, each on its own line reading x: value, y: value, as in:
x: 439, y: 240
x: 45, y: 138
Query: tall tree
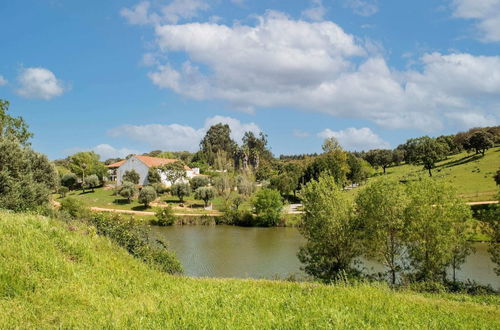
x: 13, y: 127
x: 254, y: 149
x: 87, y: 163
x: 480, y: 141
x: 426, y: 151
x: 174, y: 171
x: 218, y: 138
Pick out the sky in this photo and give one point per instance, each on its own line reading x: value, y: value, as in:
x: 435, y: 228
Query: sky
x: 122, y: 77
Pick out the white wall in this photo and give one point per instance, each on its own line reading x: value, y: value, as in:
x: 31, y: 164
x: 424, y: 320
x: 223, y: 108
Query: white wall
x: 133, y: 164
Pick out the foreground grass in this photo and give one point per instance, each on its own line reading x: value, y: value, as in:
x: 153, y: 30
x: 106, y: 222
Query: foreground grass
x: 59, y: 275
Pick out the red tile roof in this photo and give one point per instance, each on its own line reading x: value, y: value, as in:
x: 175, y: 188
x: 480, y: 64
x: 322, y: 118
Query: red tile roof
x: 149, y: 162
x: 117, y: 164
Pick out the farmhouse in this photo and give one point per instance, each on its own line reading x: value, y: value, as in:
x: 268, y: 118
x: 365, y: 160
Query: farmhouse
x: 142, y: 164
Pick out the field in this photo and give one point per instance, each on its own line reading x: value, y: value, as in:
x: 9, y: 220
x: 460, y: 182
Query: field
x: 56, y: 275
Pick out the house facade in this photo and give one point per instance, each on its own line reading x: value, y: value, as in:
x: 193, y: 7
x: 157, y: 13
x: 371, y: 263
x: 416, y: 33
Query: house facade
x: 142, y: 164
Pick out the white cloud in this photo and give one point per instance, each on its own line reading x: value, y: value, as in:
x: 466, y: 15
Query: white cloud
x: 105, y: 151
x: 470, y: 119
x: 170, y: 13
x: 175, y: 137
x: 363, y: 7
x: 317, y: 66
x: 39, y: 83
x: 300, y: 133
x: 356, y: 139
x: 317, y: 12
x: 3, y: 81
x: 485, y: 12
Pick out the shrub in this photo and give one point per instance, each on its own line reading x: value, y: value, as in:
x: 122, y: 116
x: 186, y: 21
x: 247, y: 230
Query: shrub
x: 165, y: 216
x: 205, y: 194
x: 131, y: 176
x: 147, y: 195
x: 154, y: 175
x: 69, y: 180
x: 268, y: 206
x: 198, y: 182
x: 74, y: 207
x: 180, y: 190
x: 127, y: 190
x: 91, y: 182
x: 63, y: 191
x: 159, y: 188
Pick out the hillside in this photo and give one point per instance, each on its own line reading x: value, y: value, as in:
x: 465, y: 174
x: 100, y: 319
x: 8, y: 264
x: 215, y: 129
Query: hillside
x: 59, y: 275
x: 470, y: 174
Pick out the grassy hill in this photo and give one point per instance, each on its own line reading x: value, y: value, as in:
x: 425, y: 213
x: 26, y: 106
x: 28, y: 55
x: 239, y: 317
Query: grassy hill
x: 470, y: 174
x: 54, y: 274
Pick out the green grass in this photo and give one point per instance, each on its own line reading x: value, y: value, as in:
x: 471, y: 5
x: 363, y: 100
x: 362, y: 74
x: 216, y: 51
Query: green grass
x: 470, y: 174
x: 56, y: 275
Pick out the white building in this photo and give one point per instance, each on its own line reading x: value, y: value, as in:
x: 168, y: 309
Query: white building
x: 142, y: 164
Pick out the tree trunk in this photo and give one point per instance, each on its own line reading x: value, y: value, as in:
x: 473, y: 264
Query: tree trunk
x: 430, y: 173
x: 383, y: 168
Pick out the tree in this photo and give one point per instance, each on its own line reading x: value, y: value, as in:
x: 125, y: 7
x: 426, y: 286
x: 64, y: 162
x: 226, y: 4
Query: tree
x: 359, y: 169
x: 497, y: 178
x: 254, y: 149
x: 131, y: 176
x: 245, y: 183
x: 381, y: 211
x: 127, y: 190
x: 26, y: 177
x: 331, y: 144
x: 69, y: 180
x: 198, y: 182
x: 494, y: 248
x: 165, y: 216
x: 13, y: 127
x: 91, y: 182
x: 205, y: 194
x: 147, y: 195
x: 426, y: 151
x: 330, y: 229
x: 218, y: 138
x: 181, y: 190
x: 398, y: 156
x: 174, y: 171
x: 154, y: 175
x: 333, y: 162
x: 268, y: 206
x: 480, y: 141
x: 434, y: 216
x: 63, y: 191
x: 86, y: 163
x: 380, y: 158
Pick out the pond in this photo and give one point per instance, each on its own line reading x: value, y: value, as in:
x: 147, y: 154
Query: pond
x: 240, y: 252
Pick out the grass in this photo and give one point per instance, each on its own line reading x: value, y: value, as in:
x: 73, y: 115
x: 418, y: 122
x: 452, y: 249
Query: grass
x: 57, y: 275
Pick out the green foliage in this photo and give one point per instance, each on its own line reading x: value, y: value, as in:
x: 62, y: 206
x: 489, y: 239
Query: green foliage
x: 480, y: 141
x: 127, y: 190
x: 159, y: 188
x: 12, y: 127
x: 330, y: 228
x: 380, y: 158
x: 334, y: 163
x: 154, y: 175
x: 359, y: 169
x: 174, y: 171
x: 381, y: 212
x: 268, y: 205
x: 435, y: 216
x: 26, y: 177
x: 198, y: 182
x: 497, y: 178
x: 205, y: 194
x: 164, y: 216
x: 245, y: 183
x: 181, y: 190
x: 69, y: 180
x: 74, y: 207
x: 131, y: 176
x: 91, y: 182
x: 217, y: 139
x: 87, y: 163
x: 147, y: 195
x: 63, y: 191
x: 426, y: 151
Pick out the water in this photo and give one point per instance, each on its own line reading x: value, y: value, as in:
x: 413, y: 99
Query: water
x: 228, y: 251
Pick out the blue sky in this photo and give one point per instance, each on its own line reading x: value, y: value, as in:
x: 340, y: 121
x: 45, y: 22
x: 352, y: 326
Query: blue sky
x: 123, y: 77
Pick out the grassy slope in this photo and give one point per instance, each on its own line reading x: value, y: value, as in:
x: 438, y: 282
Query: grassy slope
x: 54, y: 277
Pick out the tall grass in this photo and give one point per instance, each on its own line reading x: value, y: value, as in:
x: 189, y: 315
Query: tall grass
x: 58, y: 275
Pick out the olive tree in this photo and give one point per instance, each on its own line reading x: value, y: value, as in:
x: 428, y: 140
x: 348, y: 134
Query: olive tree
x: 181, y: 190
x: 330, y: 229
x: 147, y: 195
x: 268, y: 206
x: 69, y: 180
x: 131, y: 176
x: 205, y: 194
x: 174, y: 171
x: 91, y: 182
x: 127, y: 190
x: 381, y: 211
x: 198, y: 182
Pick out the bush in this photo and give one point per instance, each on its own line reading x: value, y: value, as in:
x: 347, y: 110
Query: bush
x: 153, y: 175
x: 69, y: 180
x: 63, y: 191
x: 91, y: 182
x: 127, y: 190
x: 159, y: 188
x: 180, y: 190
x: 74, y: 207
x: 198, y: 182
x: 164, y: 216
x: 147, y: 195
x: 131, y: 176
x: 268, y: 206
x: 205, y: 194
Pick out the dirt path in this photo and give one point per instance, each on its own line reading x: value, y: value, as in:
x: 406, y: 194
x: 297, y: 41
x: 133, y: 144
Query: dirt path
x: 482, y: 203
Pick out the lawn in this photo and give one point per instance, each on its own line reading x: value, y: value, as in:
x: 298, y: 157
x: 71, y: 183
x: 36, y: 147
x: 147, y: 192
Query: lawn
x: 57, y: 275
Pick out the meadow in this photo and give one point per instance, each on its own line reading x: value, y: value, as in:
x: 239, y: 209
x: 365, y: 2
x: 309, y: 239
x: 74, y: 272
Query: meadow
x: 62, y: 275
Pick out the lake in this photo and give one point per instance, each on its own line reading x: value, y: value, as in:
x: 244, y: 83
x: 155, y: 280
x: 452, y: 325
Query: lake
x: 240, y: 252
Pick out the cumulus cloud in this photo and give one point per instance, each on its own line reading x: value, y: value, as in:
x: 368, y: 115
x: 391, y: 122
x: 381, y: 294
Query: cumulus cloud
x: 470, y: 119
x: 356, y: 139
x: 39, y: 83
x: 317, y: 66
x: 141, y: 14
x: 362, y: 7
x: 485, y: 12
x: 175, y: 137
x: 317, y: 12
x: 3, y: 81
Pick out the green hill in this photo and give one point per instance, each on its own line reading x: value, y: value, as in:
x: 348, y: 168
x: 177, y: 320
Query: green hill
x: 470, y: 174
x: 54, y: 274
